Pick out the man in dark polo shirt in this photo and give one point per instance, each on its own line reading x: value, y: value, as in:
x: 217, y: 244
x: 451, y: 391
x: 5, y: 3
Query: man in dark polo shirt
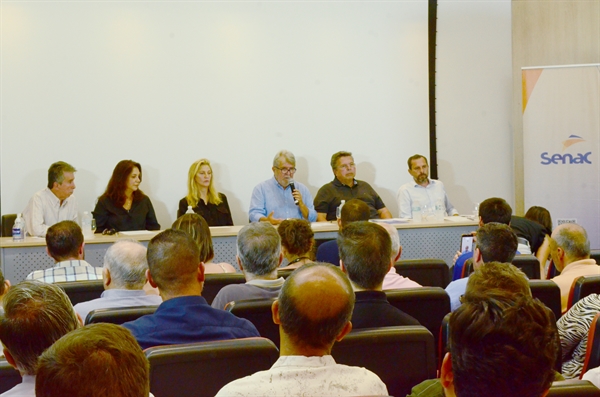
x: 345, y: 187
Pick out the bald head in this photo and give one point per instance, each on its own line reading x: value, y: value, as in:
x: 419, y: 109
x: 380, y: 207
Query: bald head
x: 315, y: 304
x: 126, y: 262
x: 573, y: 240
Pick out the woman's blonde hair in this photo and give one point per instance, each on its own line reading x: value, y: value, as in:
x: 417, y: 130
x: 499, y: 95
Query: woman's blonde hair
x: 197, y: 228
x: 193, y: 195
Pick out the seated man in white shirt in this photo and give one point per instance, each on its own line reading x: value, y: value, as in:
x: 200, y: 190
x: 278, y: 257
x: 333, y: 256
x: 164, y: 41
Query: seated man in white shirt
x: 97, y: 360
x: 64, y: 243
x: 392, y: 279
x: 124, y: 277
x: 423, y: 190
x: 313, y: 312
x: 258, y: 255
x: 35, y: 316
x: 53, y: 204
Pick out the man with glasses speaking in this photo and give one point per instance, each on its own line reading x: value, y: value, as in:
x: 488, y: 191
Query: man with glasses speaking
x: 280, y: 197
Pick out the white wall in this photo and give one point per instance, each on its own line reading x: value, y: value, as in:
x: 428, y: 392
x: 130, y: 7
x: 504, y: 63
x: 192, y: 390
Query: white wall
x: 92, y: 83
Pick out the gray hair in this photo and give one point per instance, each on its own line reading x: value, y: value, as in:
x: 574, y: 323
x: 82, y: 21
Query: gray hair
x: 259, y: 247
x: 394, y: 236
x: 286, y: 155
x: 127, y: 263
x: 573, y: 239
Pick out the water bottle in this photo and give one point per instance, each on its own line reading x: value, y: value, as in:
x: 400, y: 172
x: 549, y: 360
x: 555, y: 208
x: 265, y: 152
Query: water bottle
x: 440, y: 211
x: 18, y: 229
x: 338, y: 210
x: 416, y: 211
x: 86, y: 224
x: 190, y: 210
x: 476, y: 212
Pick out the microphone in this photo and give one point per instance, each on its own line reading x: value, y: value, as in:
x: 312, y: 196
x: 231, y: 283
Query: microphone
x: 293, y: 187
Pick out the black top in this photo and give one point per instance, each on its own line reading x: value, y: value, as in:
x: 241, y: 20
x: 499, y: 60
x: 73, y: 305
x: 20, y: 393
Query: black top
x: 214, y: 215
x: 141, y: 216
x: 372, y: 310
x: 529, y: 230
x: 330, y: 196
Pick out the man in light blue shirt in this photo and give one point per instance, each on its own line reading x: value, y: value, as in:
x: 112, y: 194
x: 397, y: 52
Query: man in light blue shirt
x: 280, y: 197
x: 423, y: 190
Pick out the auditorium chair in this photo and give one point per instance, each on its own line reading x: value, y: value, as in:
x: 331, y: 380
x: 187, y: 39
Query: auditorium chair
x: 548, y: 293
x: 213, y: 282
x: 552, y: 271
x: 595, y: 255
x: 118, y: 315
x: 401, y: 356
x: 573, y: 388
x: 82, y: 291
x: 284, y: 272
x: 202, y: 369
x: 529, y: 264
x: 582, y: 287
x: 258, y: 312
x: 9, y: 376
x: 592, y: 349
x: 444, y: 335
x: 8, y: 220
x: 427, y: 272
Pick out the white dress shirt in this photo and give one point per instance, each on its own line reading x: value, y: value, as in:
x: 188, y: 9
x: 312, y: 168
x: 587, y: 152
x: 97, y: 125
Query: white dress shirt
x: 44, y: 210
x: 429, y: 195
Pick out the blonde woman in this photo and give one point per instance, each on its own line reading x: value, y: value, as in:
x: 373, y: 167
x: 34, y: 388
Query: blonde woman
x: 204, y: 198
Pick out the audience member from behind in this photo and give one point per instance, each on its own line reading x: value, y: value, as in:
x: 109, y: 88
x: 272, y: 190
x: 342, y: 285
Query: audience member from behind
x: 123, y: 206
x: 365, y: 249
x: 64, y: 244
x: 541, y: 216
x: 203, y: 197
x: 4, y: 287
x: 197, y: 228
x: 502, y: 346
x: 570, y: 250
x: 98, y: 360
x: 53, y: 204
x: 353, y: 211
x: 496, y: 242
x: 35, y: 316
x: 184, y: 316
x: 392, y: 279
x: 124, y: 277
x: 258, y: 255
x: 297, y: 242
x: 313, y: 312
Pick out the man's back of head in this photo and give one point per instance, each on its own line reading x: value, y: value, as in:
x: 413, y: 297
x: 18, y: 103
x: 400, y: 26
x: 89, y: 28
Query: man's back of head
x: 126, y: 263
x: 64, y: 241
x: 495, y: 209
x: 353, y: 211
x: 259, y: 248
x: 573, y: 240
x: 36, y: 314
x: 496, y: 278
x: 173, y: 263
x: 496, y: 243
x: 314, y: 309
x: 365, y: 251
x: 500, y: 346
x: 95, y: 361
x: 395, y: 238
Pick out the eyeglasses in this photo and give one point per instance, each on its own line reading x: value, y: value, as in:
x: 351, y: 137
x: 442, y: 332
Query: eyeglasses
x: 287, y: 170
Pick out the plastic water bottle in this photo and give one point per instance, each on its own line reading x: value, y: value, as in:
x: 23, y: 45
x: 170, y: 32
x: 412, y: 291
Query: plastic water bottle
x: 440, y: 211
x: 190, y: 210
x: 338, y: 210
x: 86, y: 224
x: 416, y: 211
x: 18, y: 229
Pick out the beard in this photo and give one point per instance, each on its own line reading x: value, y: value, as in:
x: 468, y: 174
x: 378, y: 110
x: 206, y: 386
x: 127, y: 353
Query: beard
x: 422, y: 178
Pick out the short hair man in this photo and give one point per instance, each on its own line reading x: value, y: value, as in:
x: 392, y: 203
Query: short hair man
x: 124, y: 276
x: 496, y: 242
x: 353, y: 210
x: 281, y: 197
x: 184, y: 316
x: 423, y: 190
x: 392, y: 279
x: 64, y: 244
x: 570, y: 251
x: 53, y: 204
x: 500, y: 346
x: 366, y: 253
x: 35, y: 316
x: 258, y: 255
x: 313, y: 312
x: 345, y: 187
x: 94, y: 361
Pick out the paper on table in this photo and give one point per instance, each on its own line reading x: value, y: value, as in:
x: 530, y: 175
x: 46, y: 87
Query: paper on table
x: 137, y: 232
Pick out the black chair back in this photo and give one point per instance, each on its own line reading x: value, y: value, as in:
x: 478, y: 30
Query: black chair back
x: 8, y: 221
x: 444, y: 336
x: 573, y: 388
x: 592, y: 350
x: 582, y: 287
x: 202, y: 369
x: 9, y: 376
x: 258, y: 312
x: 427, y: 272
x: 213, y: 282
x: 118, y: 315
x: 401, y: 356
x: 529, y: 264
x: 548, y: 292
x: 595, y: 255
x: 82, y: 291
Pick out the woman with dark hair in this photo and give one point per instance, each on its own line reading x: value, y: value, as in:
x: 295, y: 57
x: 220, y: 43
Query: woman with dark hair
x: 297, y: 241
x: 197, y: 228
x: 542, y: 216
x: 123, y: 206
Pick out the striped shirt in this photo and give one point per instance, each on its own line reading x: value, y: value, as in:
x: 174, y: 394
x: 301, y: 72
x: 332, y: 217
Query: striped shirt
x: 71, y: 270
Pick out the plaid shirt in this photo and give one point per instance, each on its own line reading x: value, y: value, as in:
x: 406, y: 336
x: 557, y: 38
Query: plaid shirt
x: 72, y: 270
